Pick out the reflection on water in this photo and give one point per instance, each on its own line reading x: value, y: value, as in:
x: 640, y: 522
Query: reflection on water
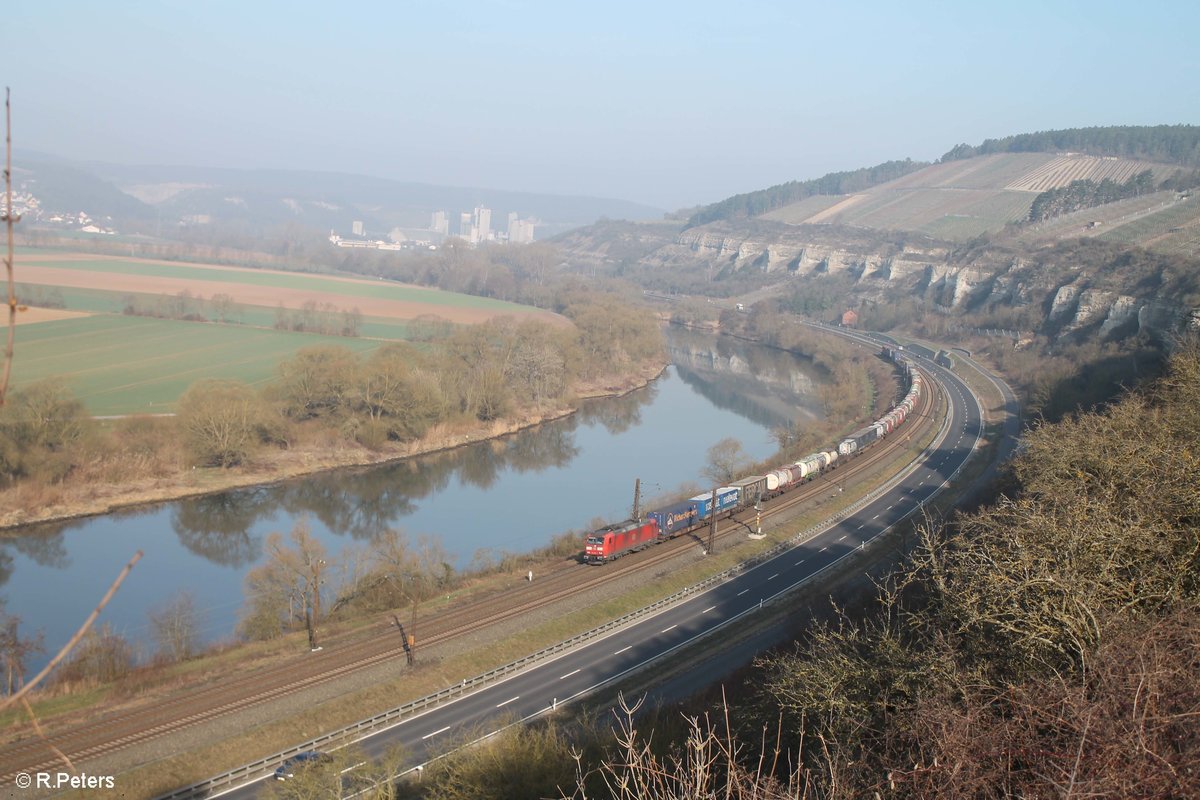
x: 504, y: 496
x: 769, y: 386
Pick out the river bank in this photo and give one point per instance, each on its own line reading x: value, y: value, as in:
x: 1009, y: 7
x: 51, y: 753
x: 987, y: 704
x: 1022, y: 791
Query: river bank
x: 89, y: 499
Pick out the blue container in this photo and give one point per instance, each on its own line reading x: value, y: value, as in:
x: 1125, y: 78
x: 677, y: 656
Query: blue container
x: 675, y: 518
x: 727, y: 498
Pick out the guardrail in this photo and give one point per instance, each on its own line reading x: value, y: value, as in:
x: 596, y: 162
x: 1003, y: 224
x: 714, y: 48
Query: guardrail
x: 256, y: 770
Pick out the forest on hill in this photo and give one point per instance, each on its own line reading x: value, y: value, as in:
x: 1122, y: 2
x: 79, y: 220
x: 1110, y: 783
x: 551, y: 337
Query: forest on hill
x: 1164, y: 144
x: 751, y: 204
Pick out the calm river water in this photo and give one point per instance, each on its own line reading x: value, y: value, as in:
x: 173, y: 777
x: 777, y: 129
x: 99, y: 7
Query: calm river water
x: 508, y: 496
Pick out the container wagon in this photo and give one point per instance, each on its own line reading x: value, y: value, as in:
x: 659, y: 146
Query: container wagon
x: 675, y: 519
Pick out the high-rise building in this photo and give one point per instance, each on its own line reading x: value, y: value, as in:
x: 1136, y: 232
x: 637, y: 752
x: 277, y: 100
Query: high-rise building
x: 520, y: 231
x: 440, y: 224
x: 466, y: 228
x: 357, y: 227
x: 483, y: 223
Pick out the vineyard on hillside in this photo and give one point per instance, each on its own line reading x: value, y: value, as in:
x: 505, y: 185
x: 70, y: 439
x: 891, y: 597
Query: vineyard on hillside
x: 1063, y: 170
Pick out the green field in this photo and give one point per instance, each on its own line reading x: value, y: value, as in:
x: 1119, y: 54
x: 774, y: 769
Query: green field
x: 327, y: 285
x: 105, y: 302
x: 128, y: 365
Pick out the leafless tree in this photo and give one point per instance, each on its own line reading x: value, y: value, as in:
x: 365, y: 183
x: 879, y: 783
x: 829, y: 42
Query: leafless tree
x: 175, y: 627
x: 287, y: 586
x: 15, y: 650
x: 726, y: 460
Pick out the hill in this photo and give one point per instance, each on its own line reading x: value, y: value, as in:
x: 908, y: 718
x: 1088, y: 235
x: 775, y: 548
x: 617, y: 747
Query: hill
x: 961, y: 199
x: 158, y: 199
x: 1112, y: 254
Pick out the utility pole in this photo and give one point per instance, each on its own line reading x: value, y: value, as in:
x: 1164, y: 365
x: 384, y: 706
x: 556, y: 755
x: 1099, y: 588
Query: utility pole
x: 10, y: 219
x: 637, y: 499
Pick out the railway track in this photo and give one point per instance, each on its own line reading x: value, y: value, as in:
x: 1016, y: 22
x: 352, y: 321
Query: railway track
x: 380, y: 643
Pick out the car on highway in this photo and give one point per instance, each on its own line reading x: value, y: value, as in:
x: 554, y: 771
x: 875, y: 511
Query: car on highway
x: 300, y: 761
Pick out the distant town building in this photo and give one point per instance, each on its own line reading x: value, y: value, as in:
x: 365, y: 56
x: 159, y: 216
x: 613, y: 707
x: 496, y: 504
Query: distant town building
x: 466, y: 228
x: 483, y: 223
x: 357, y: 227
x: 440, y: 224
x: 520, y: 231
x: 850, y: 319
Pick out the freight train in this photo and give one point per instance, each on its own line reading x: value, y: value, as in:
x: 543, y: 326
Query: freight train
x: 614, y: 541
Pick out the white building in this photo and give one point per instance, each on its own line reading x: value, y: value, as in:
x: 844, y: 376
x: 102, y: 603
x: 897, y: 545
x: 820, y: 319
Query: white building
x: 439, y: 223
x: 520, y: 231
x: 483, y: 223
x: 357, y: 227
x: 467, y: 229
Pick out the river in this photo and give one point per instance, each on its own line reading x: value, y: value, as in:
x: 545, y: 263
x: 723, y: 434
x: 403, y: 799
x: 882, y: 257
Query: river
x: 480, y: 502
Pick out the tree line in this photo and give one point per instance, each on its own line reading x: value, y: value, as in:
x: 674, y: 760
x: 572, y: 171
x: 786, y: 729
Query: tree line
x: 395, y: 393
x: 1088, y: 193
x: 751, y: 204
x: 1166, y: 144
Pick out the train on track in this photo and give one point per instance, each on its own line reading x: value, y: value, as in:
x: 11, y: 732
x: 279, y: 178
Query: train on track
x: 614, y: 541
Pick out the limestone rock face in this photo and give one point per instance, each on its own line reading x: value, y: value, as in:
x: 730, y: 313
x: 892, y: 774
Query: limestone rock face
x: 1063, y: 303
x: 1092, y: 305
x: 1123, y: 310
x: 1061, y: 295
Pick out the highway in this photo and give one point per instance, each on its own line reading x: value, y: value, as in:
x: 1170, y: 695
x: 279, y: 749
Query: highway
x: 545, y: 686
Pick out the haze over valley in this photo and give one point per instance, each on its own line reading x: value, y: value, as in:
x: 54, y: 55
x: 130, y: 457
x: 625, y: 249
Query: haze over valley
x: 522, y: 399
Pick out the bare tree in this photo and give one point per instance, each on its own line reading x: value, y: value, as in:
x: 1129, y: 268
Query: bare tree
x: 288, y: 586
x: 220, y: 421
x: 726, y: 460
x: 15, y: 650
x: 175, y: 627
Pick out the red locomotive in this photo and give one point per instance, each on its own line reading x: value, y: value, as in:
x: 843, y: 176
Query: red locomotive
x: 614, y: 541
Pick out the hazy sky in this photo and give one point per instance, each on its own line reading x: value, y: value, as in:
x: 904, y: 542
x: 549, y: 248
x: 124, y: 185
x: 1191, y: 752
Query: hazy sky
x: 672, y: 104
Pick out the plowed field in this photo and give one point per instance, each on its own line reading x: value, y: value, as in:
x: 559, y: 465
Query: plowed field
x: 263, y: 287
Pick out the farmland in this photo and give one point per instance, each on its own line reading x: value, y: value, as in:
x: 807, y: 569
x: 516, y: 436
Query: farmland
x: 958, y: 200
x: 120, y: 364
x: 1063, y: 170
x: 266, y: 288
x: 124, y: 365
x: 106, y: 302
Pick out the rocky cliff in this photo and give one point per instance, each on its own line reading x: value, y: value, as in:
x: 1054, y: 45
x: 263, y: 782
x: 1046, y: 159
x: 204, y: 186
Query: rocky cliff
x: 1077, y: 290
